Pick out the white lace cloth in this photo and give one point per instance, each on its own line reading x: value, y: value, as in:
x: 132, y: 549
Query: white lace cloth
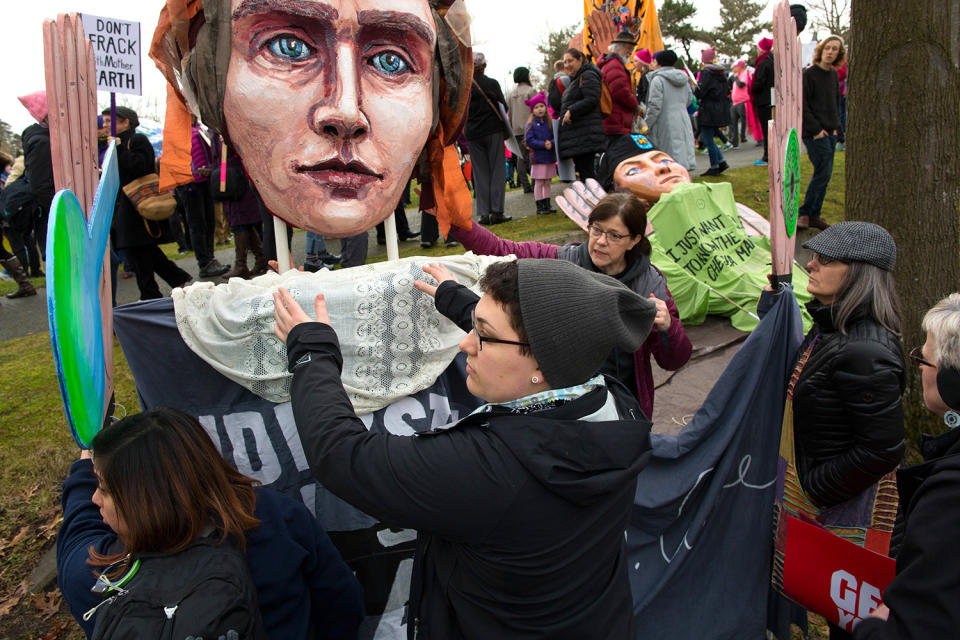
x: 393, y: 340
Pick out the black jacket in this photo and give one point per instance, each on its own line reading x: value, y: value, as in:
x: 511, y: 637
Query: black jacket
x: 924, y: 594
x: 821, y: 101
x: 38, y: 164
x: 134, y: 160
x: 713, y: 92
x: 585, y: 133
x: 762, y: 82
x: 482, y: 120
x: 847, y: 411
x: 520, y: 516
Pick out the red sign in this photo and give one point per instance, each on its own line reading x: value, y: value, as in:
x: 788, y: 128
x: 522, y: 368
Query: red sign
x: 831, y: 576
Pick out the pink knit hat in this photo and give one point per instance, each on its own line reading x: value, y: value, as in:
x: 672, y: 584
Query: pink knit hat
x: 740, y: 63
x: 765, y: 44
x: 644, y: 56
x: 36, y: 104
x: 708, y: 55
x: 540, y: 98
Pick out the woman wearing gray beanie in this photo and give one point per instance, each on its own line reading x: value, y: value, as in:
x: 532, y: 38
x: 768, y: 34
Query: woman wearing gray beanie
x: 520, y: 507
x: 616, y: 246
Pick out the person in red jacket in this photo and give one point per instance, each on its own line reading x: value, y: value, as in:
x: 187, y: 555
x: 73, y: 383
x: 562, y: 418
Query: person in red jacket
x: 617, y: 79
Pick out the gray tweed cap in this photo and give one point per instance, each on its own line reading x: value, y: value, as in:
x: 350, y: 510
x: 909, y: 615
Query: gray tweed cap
x: 856, y: 242
x: 574, y: 318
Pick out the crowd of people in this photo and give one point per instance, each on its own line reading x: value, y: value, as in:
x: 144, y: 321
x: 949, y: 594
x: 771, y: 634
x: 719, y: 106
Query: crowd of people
x: 650, y: 93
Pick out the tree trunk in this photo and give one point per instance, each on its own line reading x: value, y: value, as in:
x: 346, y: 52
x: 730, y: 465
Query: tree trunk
x: 903, y: 160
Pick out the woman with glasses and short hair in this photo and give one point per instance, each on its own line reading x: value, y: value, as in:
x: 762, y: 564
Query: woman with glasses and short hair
x: 921, y: 600
x: 520, y: 506
x: 616, y: 246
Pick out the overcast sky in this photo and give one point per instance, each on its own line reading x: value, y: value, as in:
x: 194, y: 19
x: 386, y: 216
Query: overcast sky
x: 507, y: 31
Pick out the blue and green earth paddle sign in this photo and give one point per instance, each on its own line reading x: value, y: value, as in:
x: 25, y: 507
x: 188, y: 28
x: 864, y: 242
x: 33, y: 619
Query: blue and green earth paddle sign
x: 75, y: 250
x: 791, y: 182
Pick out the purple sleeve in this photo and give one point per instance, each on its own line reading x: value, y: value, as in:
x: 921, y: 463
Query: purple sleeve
x: 198, y: 155
x: 531, y: 140
x: 484, y: 242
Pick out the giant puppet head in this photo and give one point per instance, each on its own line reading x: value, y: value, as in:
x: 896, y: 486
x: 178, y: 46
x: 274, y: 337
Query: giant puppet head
x: 649, y: 175
x: 328, y: 103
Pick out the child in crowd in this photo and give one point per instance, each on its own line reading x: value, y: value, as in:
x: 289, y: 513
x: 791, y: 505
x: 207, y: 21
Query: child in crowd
x: 538, y: 135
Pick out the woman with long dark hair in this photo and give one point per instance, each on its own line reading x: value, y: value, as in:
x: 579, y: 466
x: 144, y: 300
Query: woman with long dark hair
x: 616, y: 245
x: 155, y: 483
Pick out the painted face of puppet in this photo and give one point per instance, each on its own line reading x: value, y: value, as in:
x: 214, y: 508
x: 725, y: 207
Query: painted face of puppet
x: 329, y: 104
x: 649, y: 175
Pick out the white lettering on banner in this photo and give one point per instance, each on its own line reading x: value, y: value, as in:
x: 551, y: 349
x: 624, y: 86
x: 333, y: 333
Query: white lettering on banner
x: 284, y: 414
x: 853, y: 603
x: 253, y: 452
x: 116, y: 51
x: 442, y: 414
x: 266, y: 468
x: 741, y: 480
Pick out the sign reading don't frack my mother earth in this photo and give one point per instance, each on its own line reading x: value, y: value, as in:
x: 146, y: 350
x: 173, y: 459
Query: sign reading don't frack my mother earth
x: 116, y: 48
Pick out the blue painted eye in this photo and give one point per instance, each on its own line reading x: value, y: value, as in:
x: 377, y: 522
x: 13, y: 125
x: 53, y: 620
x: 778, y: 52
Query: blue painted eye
x: 632, y: 172
x: 389, y: 63
x: 290, y: 48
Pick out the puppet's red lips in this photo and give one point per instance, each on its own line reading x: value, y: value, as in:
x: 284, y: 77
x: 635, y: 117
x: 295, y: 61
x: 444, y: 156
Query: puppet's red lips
x: 353, y: 175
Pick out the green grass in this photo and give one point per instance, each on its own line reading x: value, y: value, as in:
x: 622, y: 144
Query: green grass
x: 35, y: 453
x: 751, y: 187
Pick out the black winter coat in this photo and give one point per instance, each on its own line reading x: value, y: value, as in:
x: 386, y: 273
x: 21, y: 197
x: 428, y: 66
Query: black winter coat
x: 762, y: 82
x: 585, y: 133
x: 482, y: 120
x: 924, y: 594
x: 713, y: 93
x: 520, y: 516
x: 847, y: 411
x: 134, y: 160
x: 38, y: 164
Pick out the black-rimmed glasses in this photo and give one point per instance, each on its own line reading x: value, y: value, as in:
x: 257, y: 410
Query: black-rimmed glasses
x: 481, y: 339
x: 916, y: 355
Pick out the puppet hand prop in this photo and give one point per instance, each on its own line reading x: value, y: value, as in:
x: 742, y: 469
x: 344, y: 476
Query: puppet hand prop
x: 439, y: 273
x: 75, y: 253
x: 287, y: 313
x: 602, y: 32
x: 580, y: 199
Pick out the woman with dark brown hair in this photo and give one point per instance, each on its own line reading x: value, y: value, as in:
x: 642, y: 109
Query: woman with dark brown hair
x: 617, y: 246
x: 155, y: 483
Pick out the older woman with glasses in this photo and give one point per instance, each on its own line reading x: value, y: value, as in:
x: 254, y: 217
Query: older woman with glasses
x: 520, y: 507
x: 849, y: 375
x: 921, y: 600
x: 617, y: 247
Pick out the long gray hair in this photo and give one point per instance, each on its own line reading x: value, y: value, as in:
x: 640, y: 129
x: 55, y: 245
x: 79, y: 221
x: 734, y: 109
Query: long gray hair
x: 866, y: 284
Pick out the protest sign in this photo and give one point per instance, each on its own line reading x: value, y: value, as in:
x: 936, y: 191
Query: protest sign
x: 116, y: 47
x: 712, y: 266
